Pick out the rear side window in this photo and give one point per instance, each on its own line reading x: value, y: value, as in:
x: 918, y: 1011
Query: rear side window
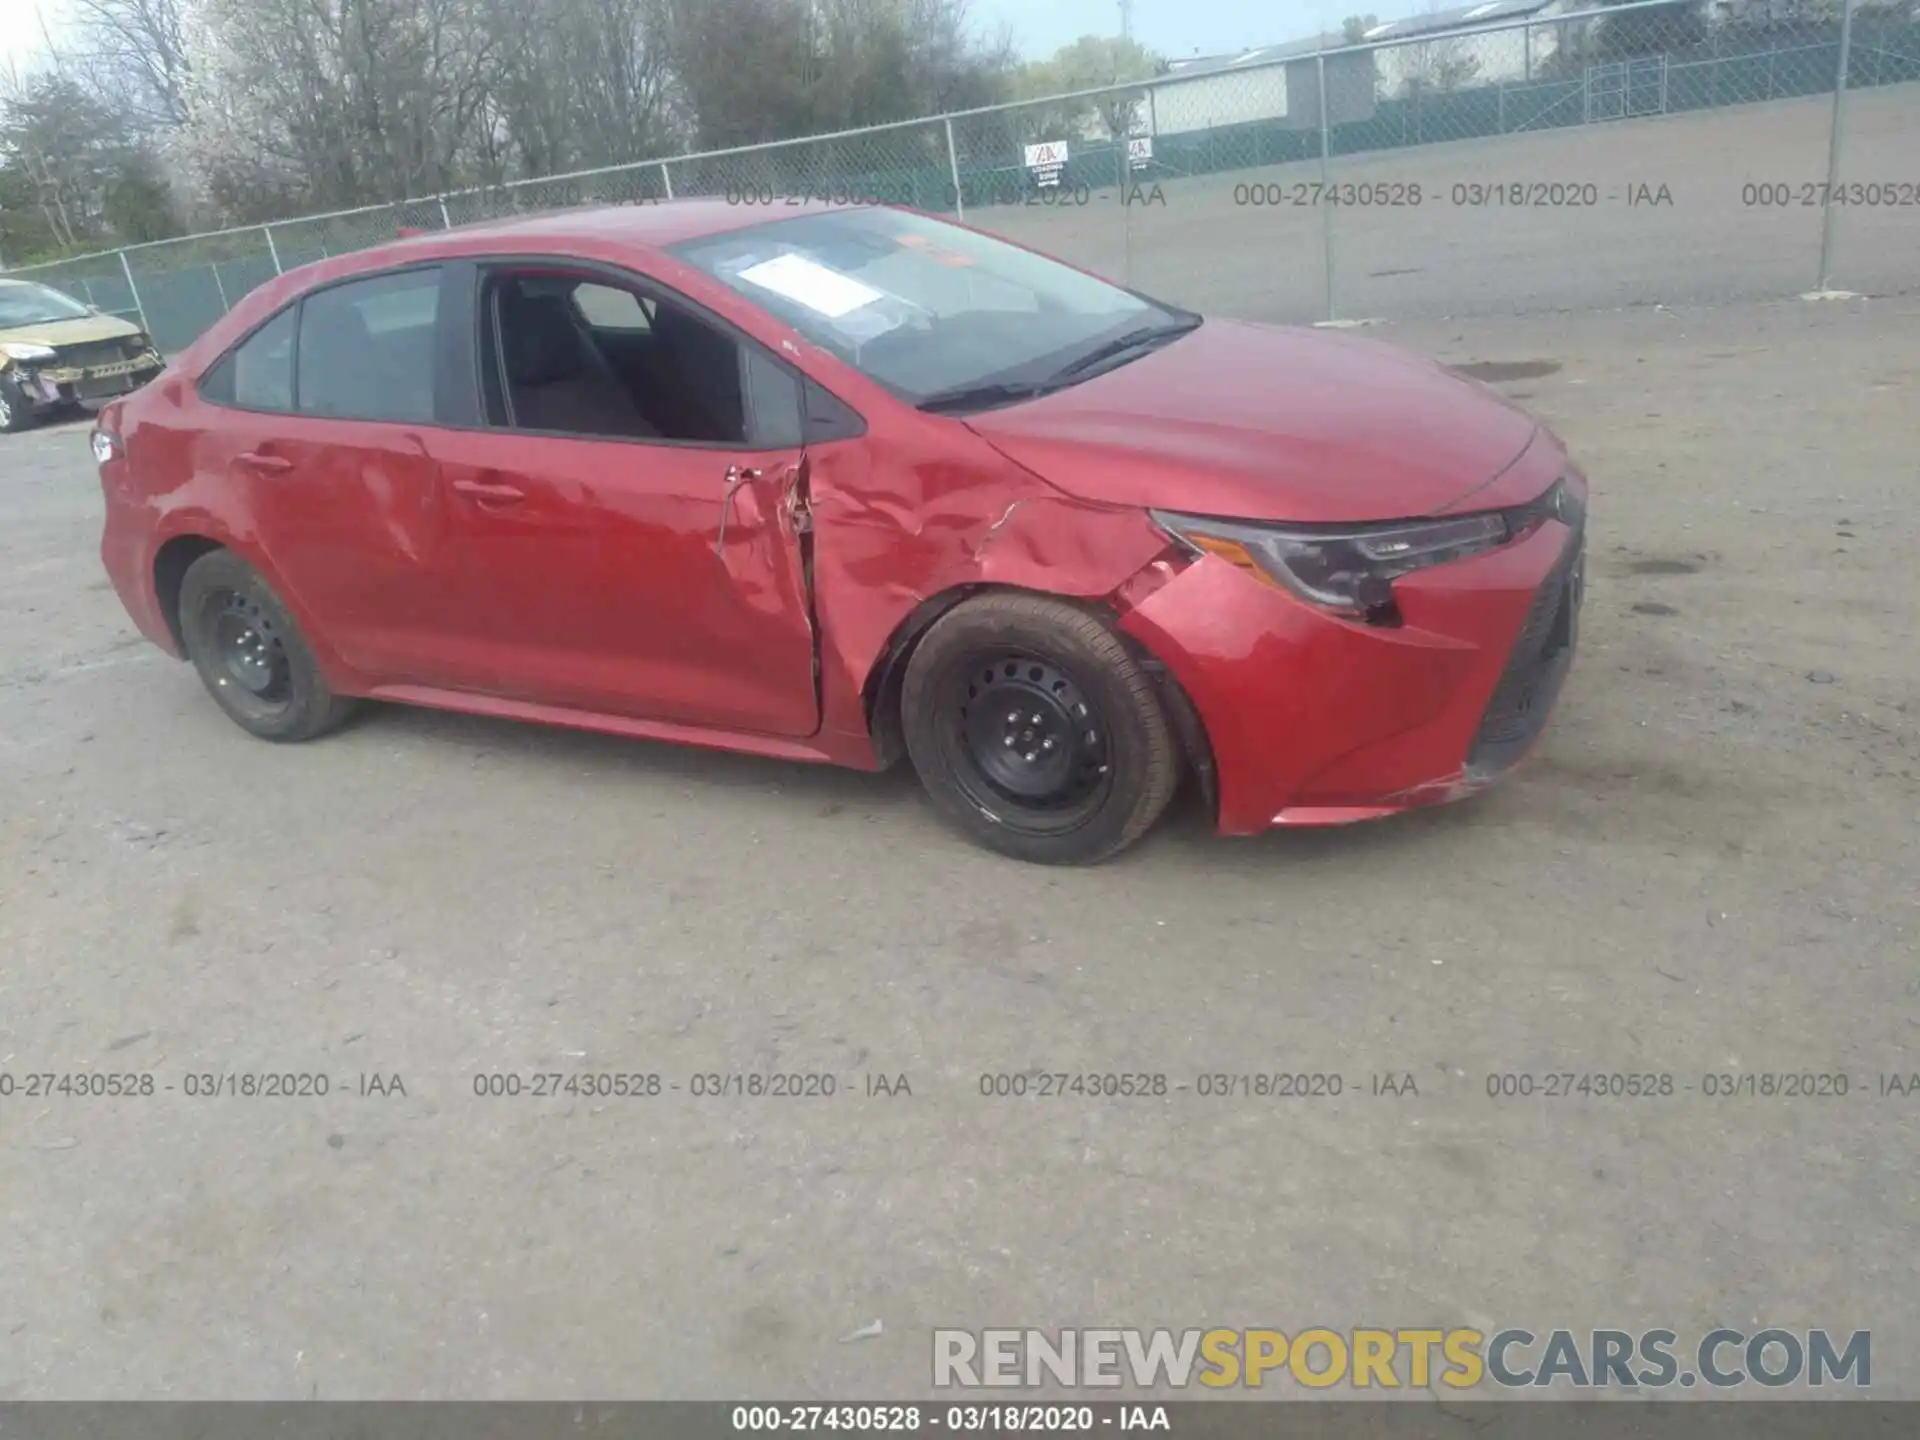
x: 605, y: 307
x: 259, y: 374
x: 367, y: 349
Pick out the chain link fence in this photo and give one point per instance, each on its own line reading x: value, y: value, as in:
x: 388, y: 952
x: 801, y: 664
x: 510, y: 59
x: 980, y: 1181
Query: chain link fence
x: 1519, y: 156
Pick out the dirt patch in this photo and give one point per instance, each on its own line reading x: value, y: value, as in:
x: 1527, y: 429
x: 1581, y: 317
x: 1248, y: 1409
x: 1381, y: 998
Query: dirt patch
x: 1493, y: 370
x: 1659, y: 566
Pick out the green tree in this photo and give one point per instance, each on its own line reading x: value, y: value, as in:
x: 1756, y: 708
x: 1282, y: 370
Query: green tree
x: 75, y: 161
x: 1087, y: 64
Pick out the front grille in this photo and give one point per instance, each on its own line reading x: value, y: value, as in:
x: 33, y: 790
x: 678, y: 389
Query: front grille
x: 1537, y: 666
x: 98, y: 352
x: 105, y: 387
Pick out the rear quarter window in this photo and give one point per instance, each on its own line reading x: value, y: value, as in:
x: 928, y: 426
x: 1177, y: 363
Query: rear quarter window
x: 258, y: 373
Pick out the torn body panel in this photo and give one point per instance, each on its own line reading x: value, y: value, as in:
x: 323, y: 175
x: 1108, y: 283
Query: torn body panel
x: 904, y: 525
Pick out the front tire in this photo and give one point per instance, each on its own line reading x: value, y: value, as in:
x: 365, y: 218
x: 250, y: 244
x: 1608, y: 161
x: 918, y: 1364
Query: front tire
x: 15, y: 413
x: 1036, y: 732
x: 251, y: 656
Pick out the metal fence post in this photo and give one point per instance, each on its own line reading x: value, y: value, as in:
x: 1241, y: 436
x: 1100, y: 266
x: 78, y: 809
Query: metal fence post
x: 272, y: 249
x: 446, y: 220
x: 225, y: 304
x: 666, y: 179
x: 134, y: 290
x: 1326, y: 209
x: 1121, y: 159
x: 953, y: 169
x: 1835, y: 144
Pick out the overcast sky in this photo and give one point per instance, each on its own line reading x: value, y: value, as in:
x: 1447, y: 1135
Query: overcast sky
x: 19, y: 29
x: 1176, y: 28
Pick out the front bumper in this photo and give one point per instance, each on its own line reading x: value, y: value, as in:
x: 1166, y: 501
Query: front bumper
x: 52, y: 387
x: 1314, y: 719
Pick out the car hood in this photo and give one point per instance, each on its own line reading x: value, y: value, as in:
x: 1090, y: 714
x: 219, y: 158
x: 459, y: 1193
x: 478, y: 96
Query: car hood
x: 71, y: 332
x: 1267, y: 422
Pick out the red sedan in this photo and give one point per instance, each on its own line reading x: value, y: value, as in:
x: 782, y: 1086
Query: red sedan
x: 847, y: 484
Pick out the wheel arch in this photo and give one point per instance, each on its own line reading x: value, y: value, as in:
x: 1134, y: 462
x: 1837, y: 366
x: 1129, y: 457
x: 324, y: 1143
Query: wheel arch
x: 201, y: 536
x: 881, y: 694
x: 170, y: 565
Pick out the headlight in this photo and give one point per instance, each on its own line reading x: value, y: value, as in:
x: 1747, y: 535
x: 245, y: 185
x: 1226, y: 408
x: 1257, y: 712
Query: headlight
x: 26, y: 353
x: 1350, y: 569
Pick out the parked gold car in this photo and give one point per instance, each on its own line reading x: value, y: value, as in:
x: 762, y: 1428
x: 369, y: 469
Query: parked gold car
x: 56, y: 353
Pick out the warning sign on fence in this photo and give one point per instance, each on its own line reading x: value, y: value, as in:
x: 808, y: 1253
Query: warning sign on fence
x: 1046, y: 160
x: 1140, y: 151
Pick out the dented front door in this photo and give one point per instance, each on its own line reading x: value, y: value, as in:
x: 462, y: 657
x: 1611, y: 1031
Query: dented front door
x: 655, y: 580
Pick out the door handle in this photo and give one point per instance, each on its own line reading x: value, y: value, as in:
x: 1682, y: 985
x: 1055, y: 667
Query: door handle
x: 490, y: 494
x: 269, y: 464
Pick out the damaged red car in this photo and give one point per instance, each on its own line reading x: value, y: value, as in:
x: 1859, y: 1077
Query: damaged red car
x: 847, y: 484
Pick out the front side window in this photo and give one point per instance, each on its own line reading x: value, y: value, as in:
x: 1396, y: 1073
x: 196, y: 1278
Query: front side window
x: 367, y: 349
x: 26, y: 303
x: 932, y: 311
x: 574, y: 356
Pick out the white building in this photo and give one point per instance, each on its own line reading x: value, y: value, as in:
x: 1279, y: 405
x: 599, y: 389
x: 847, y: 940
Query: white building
x: 1273, y: 82
x: 1469, y: 45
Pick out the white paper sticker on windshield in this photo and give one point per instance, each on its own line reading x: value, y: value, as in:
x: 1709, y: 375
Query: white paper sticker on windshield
x: 811, y: 284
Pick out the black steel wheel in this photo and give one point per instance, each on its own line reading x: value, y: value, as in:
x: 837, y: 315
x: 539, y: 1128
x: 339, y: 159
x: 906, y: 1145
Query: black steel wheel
x: 1023, y: 737
x: 250, y: 654
x: 1036, y: 731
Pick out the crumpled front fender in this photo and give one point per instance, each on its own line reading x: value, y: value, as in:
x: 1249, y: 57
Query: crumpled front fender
x: 899, y: 523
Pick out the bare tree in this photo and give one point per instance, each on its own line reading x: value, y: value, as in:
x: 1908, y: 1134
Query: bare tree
x: 764, y: 69
x: 278, y: 107
x: 341, y: 102
x: 140, y: 47
x: 1446, y: 63
x: 578, y: 83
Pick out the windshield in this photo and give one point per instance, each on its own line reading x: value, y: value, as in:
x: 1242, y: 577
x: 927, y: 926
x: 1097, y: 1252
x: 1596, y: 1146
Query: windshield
x: 925, y: 308
x: 25, y: 303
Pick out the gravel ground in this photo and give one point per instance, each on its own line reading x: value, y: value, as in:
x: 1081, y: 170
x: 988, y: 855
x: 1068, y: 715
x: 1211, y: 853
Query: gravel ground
x: 1633, y: 212
x: 1709, y: 867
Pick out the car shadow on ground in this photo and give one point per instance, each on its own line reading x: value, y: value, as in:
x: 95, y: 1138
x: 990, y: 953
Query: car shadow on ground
x: 539, y: 744
x: 61, y: 420
x: 797, y: 790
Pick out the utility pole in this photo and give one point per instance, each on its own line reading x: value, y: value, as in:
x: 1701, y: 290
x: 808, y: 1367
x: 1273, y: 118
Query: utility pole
x: 1126, y: 19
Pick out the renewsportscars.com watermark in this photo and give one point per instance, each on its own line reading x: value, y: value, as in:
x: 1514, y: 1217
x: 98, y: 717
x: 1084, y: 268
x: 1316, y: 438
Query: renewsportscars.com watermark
x: 1389, y: 1359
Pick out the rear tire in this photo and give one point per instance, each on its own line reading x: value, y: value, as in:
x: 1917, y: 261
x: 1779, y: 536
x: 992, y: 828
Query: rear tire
x: 251, y: 656
x: 1036, y: 732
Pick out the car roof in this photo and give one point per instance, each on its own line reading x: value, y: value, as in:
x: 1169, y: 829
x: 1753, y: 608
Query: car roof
x: 649, y: 225
x: 654, y: 224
